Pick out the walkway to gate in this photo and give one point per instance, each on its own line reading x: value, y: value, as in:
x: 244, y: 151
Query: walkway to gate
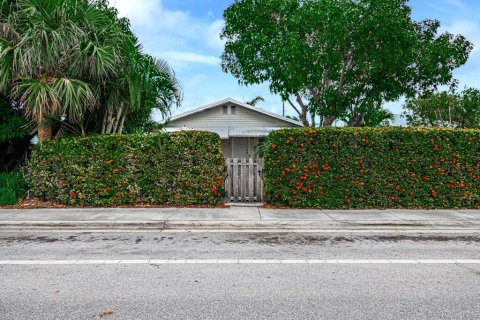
x: 243, y: 180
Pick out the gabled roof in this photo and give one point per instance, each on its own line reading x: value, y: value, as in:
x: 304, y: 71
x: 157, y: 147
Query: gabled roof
x: 237, y: 103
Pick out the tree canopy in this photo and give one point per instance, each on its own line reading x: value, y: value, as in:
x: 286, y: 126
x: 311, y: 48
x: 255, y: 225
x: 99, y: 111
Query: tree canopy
x: 338, y: 58
x: 450, y: 109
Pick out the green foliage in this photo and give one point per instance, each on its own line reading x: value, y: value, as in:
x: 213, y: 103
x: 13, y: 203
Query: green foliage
x: 373, y: 115
x: 12, y: 188
x: 329, y: 56
x: 184, y: 168
x: 373, y: 168
x: 14, y: 136
x: 79, y: 64
x: 12, y: 125
x: 449, y: 109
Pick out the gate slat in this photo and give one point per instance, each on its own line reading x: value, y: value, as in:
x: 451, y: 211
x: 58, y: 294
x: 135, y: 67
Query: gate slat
x: 235, y: 180
x: 260, y: 180
x: 228, y: 179
x: 251, y: 178
x: 244, y: 180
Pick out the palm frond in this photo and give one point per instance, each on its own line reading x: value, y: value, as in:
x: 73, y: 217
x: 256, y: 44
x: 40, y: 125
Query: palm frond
x: 36, y: 97
x: 75, y: 97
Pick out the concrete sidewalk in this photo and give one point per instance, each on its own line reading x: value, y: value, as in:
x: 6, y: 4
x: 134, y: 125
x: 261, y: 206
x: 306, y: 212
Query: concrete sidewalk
x: 241, y: 218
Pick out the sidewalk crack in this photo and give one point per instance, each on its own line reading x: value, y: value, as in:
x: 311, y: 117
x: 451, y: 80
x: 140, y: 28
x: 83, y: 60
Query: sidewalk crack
x: 328, y: 215
x: 394, y: 215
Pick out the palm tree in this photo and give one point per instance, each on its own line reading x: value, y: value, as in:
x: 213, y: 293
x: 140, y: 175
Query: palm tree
x: 54, y: 57
x: 255, y: 101
x: 146, y: 84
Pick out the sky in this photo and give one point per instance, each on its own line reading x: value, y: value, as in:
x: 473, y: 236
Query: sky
x: 186, y: 34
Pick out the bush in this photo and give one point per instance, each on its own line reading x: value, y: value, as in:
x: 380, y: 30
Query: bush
x: 184, y: 168
x: 373, y: 168
x: 11, y: 188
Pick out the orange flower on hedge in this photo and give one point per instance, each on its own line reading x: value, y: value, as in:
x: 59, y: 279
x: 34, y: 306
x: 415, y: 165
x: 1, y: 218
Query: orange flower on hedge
x: 115, y: 170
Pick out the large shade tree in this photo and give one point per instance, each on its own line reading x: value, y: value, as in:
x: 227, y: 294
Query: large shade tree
x: 336, y: 59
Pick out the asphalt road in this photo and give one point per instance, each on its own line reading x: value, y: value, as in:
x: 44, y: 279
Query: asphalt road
x: 239, y: 290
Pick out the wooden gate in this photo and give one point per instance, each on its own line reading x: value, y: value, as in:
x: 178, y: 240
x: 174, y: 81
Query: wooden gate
x: 243, y: 180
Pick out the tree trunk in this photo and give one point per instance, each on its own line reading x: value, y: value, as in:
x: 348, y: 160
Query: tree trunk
x: 357, y: 120
x: 109, y: 123
x: 104, y: 123
x: 120, y: 130
x: 117, y: 120
x: 303, y: 118
x: 44, y: 130
x: 329, y: 121
x: 313, y: 123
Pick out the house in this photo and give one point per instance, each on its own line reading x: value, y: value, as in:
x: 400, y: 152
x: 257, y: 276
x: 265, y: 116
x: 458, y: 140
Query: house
x: 239, y: 125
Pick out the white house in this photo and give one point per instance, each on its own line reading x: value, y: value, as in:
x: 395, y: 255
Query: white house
x: 239, y: 125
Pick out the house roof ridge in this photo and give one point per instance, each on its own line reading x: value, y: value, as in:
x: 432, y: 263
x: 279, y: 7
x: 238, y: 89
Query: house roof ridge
x: 236, y: 102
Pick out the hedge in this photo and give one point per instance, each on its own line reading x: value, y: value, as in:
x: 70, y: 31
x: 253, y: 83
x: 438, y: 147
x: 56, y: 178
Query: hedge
x: 335, y: 168
x: 178, y: 169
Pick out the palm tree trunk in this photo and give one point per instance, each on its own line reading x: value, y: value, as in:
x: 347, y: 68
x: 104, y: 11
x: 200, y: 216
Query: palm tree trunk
x: 120, y: 130
x: 104, y: 123
x: 117, y: 120
x: 44, y: 130
x: 109, y: 122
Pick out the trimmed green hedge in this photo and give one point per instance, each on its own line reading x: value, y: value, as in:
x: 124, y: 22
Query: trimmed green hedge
x: 373, y: 168
x: 12, y: 188
x: 178, y: 169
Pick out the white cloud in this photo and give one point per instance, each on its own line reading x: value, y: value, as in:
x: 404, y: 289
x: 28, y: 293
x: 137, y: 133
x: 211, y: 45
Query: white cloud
x: 149, y: 13
x: 189, y: 57
x: 139, y: 12
x: 213, y: 35
x: 455, y: 3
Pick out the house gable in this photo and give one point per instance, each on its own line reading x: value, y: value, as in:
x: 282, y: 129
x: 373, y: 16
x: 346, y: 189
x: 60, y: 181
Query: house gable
x: 230, y: 113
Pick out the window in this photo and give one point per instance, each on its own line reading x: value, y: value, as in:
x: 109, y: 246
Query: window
x: 225, y: 110
x: 233, y: 110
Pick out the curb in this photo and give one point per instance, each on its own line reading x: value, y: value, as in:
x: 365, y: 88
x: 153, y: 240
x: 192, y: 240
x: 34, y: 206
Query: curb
x: 244, y: 225
x: 83, y: 225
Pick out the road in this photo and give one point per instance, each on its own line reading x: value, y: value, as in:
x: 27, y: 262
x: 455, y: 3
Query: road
x: 201, y: 275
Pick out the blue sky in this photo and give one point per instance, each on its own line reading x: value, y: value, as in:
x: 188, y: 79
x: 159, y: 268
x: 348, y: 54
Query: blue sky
x: 186, y: 34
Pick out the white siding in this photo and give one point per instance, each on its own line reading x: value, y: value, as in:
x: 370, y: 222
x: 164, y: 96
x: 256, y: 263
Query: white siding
x: 243, y: 118
x: 227, y: 148
x: 240, y: 147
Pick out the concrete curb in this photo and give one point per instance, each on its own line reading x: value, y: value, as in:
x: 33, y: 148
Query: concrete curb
x: 83, y: 225
x: 243, y: 225
x: 318, y: 225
